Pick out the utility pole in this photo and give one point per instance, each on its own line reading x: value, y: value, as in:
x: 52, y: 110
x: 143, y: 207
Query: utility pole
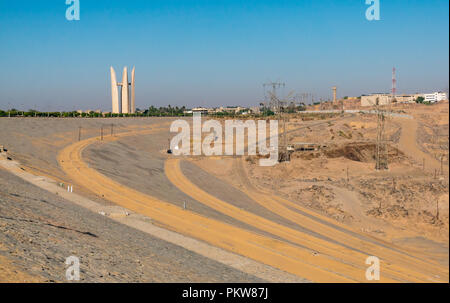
x: 381, y: 148
x: 437, y: 209
x: 347, y: 177
x: 79, y: 133
x: 102, y: 133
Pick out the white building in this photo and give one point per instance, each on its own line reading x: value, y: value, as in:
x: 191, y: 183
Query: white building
x: 202, y: 110
x: 435, y: 97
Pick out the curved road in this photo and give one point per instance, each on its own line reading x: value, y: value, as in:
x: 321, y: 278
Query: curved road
x: 408, y: 144
x: 269, y: 251
x: 297, y: 253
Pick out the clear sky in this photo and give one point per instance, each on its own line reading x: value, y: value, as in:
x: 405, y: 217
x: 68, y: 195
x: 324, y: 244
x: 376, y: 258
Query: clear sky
x: 216, y: 52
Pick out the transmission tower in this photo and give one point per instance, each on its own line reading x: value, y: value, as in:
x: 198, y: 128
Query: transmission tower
x: 279, y: 106
x: 381, y: 153
x: 394, y: 83
x: 273, y: 100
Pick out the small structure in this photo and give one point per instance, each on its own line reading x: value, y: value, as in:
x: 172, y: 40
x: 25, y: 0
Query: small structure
x: 334, y: 88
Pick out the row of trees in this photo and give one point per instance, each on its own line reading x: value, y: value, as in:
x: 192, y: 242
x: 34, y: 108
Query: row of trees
x: 34, y: 113
x: 168, y: 111
x: 150, y: 112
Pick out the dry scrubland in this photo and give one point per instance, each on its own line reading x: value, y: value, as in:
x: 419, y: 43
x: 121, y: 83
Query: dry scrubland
x: 297, y: 216
x: 406, y: 204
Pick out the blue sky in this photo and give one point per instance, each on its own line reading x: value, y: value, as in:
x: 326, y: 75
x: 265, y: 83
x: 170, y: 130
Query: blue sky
x: 216, y: 52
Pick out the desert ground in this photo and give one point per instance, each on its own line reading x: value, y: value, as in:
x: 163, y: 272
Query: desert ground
x: 137, y: 213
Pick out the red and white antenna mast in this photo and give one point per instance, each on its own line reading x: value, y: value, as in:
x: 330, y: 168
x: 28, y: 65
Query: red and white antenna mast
x: 394, y: 83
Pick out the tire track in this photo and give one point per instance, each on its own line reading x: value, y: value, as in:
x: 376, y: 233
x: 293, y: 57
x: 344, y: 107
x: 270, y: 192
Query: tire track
x: 280, y: 206
x: 269, y: 251
x: 351, y: 261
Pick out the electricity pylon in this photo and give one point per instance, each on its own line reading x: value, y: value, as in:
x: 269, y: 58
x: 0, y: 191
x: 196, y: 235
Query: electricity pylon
x: 381, y: 146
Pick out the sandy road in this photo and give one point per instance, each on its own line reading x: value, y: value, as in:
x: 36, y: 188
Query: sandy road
x: 338, y: 231
x: 326, y: 267
x: 408, y: 144
x: 350, y: 260
x: 275, y: 253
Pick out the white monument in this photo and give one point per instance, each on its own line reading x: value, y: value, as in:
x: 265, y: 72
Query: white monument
x: 128, y: 106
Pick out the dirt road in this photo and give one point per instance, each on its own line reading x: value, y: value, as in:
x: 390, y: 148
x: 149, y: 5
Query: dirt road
x: 272, y: 252
x: 298, y: 253
x: 333, y: 229
x: 408, y: 145
x: 325, y: 249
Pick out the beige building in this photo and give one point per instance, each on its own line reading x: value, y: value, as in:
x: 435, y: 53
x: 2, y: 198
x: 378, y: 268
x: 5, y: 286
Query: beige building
x: 384, y: 99
x: 371, y: 100
x: 406, y: 98
x: 230, y: 109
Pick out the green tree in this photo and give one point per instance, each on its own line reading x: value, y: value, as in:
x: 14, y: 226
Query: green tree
x: 420, y: 99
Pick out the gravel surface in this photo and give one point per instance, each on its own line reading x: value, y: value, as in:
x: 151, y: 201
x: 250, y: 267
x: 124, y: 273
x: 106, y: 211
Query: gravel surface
x: 39, y: 230
x: 138, y: 162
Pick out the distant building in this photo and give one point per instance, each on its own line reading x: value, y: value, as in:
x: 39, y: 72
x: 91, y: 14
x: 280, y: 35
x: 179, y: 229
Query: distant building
x: 435, y: 97
x: 406, y: 98
x: 255, y: 110
x: 230, y: 109
x: 371, y: 100
x: 202, y: 110
x: 384, y: 99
